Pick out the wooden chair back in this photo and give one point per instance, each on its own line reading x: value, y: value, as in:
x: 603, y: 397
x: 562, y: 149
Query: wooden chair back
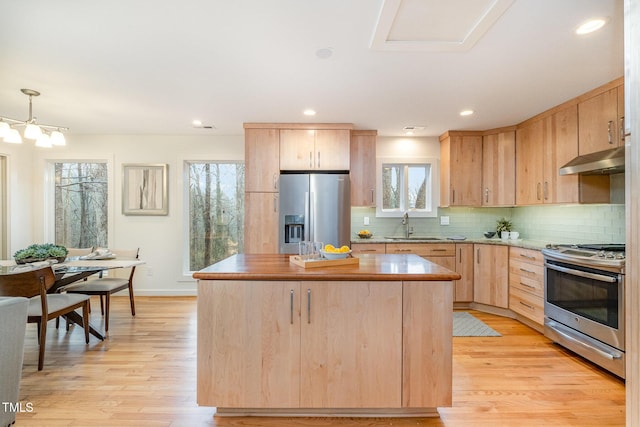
x: 27, y: 283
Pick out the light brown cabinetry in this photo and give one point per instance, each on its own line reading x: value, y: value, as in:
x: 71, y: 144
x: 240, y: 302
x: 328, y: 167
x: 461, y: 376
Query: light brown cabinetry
x: 602, y: 121
x: 363, y: 167
x: 334, y: 371
x: 262, y: 172
x: 526, y: 283
x: 461, y: 169
x: 254, y: 327
x: 261, y: 223
x: 463, y: 288
x: 368, y: 248
x: 499, y: 169
x: 542, y: 147
x: 491, y: 275
x: 430, y: 251
x: 324, y: 344
x: 314, y: 149
x: 262, y: 160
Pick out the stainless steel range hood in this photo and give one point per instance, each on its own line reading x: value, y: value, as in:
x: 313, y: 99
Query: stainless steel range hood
x: 605, y: 162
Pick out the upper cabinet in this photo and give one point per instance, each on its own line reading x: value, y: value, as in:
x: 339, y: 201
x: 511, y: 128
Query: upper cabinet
x: 461, y: 169
x: 542, y: 147
x: 363, y: 167
x: 314, y: 149
x: 601, y: 121
x: 262, y: 160
x: 499, y: 168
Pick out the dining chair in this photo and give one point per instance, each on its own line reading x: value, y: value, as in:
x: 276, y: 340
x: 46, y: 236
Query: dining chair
x: 33, y: 284
x: 106, y: 286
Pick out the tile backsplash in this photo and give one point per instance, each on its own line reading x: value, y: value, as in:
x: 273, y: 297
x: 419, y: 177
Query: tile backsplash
x: 555, y: 224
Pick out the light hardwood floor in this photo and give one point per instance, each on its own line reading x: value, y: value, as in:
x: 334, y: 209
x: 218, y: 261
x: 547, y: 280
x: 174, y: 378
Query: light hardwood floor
x: 144, y: 374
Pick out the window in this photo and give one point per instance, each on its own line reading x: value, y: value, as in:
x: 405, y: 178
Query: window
x: 81, y: 204
x: 407, y: 185
x: 216, y: 211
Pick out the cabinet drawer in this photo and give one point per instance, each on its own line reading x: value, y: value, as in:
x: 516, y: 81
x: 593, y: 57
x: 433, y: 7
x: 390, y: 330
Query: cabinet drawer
x: 523, y: 269
x: 526, y: 284
x: 422, y: 249
x: 525, y: 255
x: 527, y: 305
x: 368, y: 248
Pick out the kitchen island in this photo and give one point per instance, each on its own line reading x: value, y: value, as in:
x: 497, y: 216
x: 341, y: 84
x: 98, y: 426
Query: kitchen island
x: 367, y: 339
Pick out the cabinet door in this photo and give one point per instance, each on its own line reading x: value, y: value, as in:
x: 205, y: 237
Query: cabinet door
x: 427, y: 332
x: 466, y: 171
x: 248, y: 344
x: 561, y: 146
x: 297, y: 148
x: 363, y: 168
x: 335, y: 372
x: 598, y: 122
x: 529, y: 164
x: 491, y: 275
x: 332, y: 149
x: 499, y: 169
x: 463, y: 288
x: 261, y: 223
x: 262, y: 159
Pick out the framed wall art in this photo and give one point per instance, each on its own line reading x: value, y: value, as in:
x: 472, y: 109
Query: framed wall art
x: 144, y: 189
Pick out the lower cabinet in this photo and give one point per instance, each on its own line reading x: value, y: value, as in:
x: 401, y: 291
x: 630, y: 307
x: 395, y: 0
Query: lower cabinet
x: 526, y: 283
x: 312, y: 344
x: 491, y: 275
x: 463, y: 288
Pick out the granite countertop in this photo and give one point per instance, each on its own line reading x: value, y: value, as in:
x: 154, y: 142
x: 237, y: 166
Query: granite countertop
x: 520, y: 243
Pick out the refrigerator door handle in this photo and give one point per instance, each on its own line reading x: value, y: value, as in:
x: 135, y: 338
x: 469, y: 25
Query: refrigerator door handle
x: 307, y: 221
x: 312, y: 212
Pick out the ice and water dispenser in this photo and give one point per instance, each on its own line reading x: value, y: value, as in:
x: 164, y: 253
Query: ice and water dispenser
x: 293, y: 228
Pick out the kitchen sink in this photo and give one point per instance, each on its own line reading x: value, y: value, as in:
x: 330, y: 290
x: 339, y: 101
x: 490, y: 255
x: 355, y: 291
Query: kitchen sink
x: 414, y: 238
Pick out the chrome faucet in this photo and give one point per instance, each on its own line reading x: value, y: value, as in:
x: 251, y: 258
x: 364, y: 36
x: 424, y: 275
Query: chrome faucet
x: 405, y: 221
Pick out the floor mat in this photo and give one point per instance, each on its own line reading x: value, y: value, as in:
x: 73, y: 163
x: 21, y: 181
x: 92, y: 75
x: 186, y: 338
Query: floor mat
x: 467, y: 325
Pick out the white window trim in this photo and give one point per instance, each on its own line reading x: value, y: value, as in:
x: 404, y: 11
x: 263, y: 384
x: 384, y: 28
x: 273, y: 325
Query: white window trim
x: 433, y: 183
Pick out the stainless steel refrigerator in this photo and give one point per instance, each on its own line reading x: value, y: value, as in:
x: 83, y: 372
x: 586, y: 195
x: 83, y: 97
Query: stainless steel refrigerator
x: 314, y: 207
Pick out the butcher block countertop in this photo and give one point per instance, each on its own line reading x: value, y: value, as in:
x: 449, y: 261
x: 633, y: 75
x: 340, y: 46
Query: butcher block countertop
x: 382, y: 267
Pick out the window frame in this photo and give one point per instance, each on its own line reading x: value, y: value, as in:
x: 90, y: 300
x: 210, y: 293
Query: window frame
x: 50, y: 189
x: 432, y: 184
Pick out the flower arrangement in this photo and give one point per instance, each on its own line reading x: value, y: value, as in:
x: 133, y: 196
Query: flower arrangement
x: 40, y: 252
x: 503, y: 224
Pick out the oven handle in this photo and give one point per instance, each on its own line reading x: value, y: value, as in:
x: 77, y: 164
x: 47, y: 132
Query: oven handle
x: 577, y: 341
x: 580, y: 273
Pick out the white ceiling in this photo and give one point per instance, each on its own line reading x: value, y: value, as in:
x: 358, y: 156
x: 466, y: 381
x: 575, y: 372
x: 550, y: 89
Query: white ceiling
x: 152, y: 66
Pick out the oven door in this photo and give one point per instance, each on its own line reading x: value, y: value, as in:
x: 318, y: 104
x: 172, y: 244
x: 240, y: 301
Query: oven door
x: 586, y: 299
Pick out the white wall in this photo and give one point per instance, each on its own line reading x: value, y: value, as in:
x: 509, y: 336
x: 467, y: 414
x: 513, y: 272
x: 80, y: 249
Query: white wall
x: 162, y: 239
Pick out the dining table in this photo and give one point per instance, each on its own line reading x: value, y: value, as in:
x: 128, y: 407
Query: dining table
x: 70, y: 271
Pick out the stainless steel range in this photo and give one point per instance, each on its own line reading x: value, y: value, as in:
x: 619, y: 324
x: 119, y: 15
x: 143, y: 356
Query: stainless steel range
x: 584, y: 301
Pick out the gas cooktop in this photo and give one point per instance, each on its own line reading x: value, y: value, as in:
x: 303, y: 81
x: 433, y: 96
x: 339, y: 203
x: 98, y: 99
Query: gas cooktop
x: 596, y: 255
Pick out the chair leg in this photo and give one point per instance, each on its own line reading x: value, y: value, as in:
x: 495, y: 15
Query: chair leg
x: 101, y: 305
x: 133, y: 304
x: 57, y: 322
x: 42, y: 329
x: 107, y: 302
x: 85, y: 321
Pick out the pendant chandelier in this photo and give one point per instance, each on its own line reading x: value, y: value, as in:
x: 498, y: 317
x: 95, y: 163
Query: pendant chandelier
x: 44, y: 135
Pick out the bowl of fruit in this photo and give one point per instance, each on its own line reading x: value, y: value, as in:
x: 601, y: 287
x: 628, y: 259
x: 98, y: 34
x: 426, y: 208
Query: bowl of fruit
x: 365, y: 234
x: 331, y: 252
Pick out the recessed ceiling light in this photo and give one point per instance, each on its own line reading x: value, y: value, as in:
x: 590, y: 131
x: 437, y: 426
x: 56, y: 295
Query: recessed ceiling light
x: 466, y: 112
x: 196, y: 123
x: 309, y: 113
x: 590, y: 26
x: 324, y: 53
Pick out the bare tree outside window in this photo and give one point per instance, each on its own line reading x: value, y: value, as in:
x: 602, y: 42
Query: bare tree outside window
x: 216, y: 212
x: 81, y: 206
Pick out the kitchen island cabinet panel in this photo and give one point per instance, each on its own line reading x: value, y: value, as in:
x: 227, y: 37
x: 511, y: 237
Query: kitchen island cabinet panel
x: 334, y: 372
x: 247, y: 328
x: 427, y: 359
